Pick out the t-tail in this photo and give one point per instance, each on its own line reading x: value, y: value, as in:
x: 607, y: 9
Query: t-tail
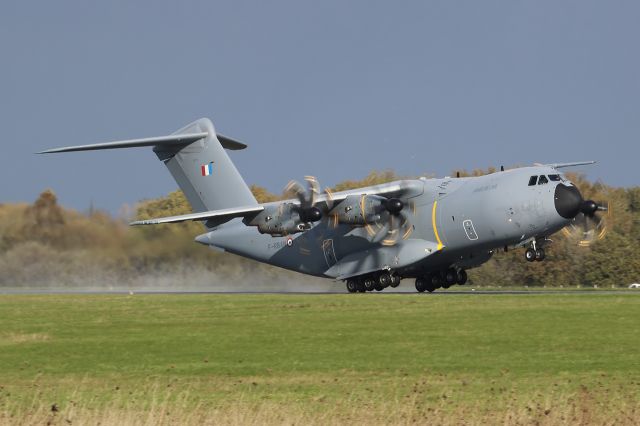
x: 195, y: 155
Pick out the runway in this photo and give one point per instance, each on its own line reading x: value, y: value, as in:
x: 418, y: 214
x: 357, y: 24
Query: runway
x: 407, y: 292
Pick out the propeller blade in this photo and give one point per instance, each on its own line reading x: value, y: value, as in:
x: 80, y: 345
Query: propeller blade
x: 398, y: 226
x: 589, y: 225
x: 391, y: 238
x: 313, y: 189
x: 406, y: 226
x: 329, y: 197
x: 293, y: 188
x: 333, y: 219
x: 307, y: 195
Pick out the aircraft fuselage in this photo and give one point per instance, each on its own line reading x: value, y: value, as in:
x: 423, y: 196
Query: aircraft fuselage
x: 467, y: 218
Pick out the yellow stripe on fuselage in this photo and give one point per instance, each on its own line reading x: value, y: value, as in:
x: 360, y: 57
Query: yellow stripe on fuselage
x: 435, y: 228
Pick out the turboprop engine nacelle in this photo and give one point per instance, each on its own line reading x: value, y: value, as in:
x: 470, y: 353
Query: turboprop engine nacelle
x: 283, y: 219
x: 358, y: 210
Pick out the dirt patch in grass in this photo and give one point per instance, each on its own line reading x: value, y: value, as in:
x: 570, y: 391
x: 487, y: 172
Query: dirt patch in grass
x: 17, y: 338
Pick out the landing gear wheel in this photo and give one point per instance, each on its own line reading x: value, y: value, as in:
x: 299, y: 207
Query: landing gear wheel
x: 421, y: 285
x: 369, y: 284
x: 360, y: 286
x: 384, y: 280
x: 352, y: 286
x: 378, y: 287
x: 395, y: 281
x: 462, y: 277
x: 436, y: 282
x: 430, y: 286
x: 450, y: 277
x: 530, y: 255
x: 540, y: 254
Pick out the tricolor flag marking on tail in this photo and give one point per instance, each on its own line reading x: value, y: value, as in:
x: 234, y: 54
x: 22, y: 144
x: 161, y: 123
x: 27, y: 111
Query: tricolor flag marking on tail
x: 207, y: 169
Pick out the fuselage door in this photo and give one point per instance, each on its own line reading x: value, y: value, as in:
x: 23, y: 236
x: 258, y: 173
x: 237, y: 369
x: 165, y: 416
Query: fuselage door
x: 329, y: 253
x: 470, y: 230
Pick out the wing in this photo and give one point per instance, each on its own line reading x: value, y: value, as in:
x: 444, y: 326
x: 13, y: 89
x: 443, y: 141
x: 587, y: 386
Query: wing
x: 219, y: 215
x: 398, y: 188
x: 401, y: 189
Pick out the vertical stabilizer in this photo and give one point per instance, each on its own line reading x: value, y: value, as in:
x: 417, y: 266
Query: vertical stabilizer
x: 204, y: 171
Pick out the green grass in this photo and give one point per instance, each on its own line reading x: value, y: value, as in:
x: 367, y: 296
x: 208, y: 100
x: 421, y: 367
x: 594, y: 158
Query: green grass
x: 356, y: 358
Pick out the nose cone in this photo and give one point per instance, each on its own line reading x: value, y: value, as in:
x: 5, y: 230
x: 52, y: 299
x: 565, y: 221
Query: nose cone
x: 567, y: 201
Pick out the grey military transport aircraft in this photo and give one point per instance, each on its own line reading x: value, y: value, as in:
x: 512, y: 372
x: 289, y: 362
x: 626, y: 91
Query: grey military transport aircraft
x: 432, y: 230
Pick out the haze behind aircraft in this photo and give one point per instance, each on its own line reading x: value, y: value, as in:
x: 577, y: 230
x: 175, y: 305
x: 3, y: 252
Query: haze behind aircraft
x: 432, y: 230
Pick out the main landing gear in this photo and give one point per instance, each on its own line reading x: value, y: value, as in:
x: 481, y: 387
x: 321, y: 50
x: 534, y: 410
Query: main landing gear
x: 378, y: 282
x: 442, y: 279
x: 534, y: 253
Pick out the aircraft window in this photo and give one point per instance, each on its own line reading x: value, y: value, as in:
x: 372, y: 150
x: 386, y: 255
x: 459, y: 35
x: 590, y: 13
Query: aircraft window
x: 554, y: 178
x: 533, y: 180
x: 542, y: 180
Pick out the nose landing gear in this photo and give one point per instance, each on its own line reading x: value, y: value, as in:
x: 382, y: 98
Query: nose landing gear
x: 530, y: 255
x: 534, y: 253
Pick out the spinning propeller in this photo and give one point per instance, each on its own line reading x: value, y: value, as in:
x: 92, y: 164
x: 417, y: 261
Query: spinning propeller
x: 385, y: 219
x: 588, y: 225
x: 389, y: 221
x: 308, y: 209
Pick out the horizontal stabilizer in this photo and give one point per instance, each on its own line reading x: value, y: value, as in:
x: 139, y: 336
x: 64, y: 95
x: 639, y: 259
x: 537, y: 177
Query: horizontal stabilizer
x: 229, y: 143
x: 178, y: 139
x: 224, y: 215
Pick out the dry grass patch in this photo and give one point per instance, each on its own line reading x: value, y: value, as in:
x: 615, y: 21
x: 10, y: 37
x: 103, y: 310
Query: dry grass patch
x: 17, y: 338
x: 583, y: 408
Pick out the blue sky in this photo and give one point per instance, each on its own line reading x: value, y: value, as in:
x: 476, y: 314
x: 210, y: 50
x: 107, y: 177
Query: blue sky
x: 332, y: 88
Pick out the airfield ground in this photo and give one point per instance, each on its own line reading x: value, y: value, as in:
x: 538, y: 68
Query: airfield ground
x: 323, y: 359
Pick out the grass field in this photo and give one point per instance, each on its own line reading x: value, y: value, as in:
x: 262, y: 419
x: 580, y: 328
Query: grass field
x: 320, y: 359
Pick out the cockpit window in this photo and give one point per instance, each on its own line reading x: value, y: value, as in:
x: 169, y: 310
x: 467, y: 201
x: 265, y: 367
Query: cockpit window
x: 533, y: 180
x: 542, y: 180
x: 554, y: 178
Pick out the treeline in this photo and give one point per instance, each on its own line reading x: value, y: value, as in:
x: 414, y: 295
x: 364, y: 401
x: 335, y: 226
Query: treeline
x: 44, y: 244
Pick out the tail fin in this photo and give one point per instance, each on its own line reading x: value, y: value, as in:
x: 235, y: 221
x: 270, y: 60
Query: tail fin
x: 196, y: 158
x: 204, y: 171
